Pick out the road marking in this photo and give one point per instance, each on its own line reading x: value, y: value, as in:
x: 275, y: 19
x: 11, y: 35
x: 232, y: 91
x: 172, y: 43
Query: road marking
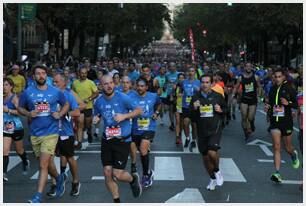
x: 263, y: 112
x: 265, y: 160
x: 14, y: 160
x: 293, y: 182
x: 168, y: 168
x: 266, y: 150
x: 230, y: 171
x: 189, y: 195
x: 97, y: 178
x: 259, y: 142
x: 57, y: 165
x: 99, y: 151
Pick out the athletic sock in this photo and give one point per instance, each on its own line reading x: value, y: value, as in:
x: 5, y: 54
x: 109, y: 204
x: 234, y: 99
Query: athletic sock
x: 63, y: 169
x: 5, y: 163
x: 24, y: 158
x: 145, y: 164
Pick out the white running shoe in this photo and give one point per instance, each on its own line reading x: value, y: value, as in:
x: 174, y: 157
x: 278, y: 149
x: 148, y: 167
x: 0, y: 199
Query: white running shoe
x: 212, y: 184
x: 219, y: 178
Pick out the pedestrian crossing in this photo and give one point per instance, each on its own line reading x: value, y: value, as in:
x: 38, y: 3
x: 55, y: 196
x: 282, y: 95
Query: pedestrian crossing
x: 165, y: 168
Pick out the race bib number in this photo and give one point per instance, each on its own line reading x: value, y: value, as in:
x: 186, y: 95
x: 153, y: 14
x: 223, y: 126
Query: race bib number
x: 249, y: 88
x: 43, y: 108
x: 207, y: 111
x: 278, y: 111
x: 112, y: 132
x: 143, y: 124
x: 188, y: 100
x: 9, y: 127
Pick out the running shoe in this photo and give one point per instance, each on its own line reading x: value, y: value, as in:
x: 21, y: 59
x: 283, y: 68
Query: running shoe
x: 219, y: 178
x: 178, y: 141
x: 295, y: 160
x: 5, y: 177
x: 75, y: 189
x: 147, y: 180
x: 212, y: 184
x: 276, y: 177
x: 60, y: 185
x: 35, y: 199
x: 25, y: 168
x: 52, y: 191
x: 135, y: 186
x: 186, y: 144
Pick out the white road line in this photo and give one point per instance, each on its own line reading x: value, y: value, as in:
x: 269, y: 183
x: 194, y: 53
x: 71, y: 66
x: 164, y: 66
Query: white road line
x: 271, y: 161
x: 168, y: 168
x: 263, y: 112
x: 266, y: 150
x: 97, y: 178
x: 293, y: 182
x: 57, y: 165
x: 189, y: 195
x: 13, y: 162
x: 98, y: 152
x: 230, y: 171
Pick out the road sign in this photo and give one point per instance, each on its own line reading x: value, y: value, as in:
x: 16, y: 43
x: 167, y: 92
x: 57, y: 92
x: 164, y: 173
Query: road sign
x: 28, y: 12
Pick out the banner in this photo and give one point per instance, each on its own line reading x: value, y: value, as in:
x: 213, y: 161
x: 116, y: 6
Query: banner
x: 191, y: 44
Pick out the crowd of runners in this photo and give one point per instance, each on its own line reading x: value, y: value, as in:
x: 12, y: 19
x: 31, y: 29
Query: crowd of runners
x: 65, y: 104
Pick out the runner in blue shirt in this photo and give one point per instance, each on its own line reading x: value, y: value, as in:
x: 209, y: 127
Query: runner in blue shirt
x: 160, y: 83
x: 171, y: 81
x: 190, y: 86
x: 143, y: 129
x: 41, y: 102
x: 65, y: 144
x: 113, y: 107
x: 12, y: 128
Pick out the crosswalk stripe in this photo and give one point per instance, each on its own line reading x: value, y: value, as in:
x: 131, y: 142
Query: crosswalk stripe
x: 97, y: 178
x: 265, y: 160
x: 189, y: 195
x: 293, y: 182
x: 230, y: 171
x: 266, y: 150
x: 57, y: 165
x: 168, y: 168
x: 13, y: 162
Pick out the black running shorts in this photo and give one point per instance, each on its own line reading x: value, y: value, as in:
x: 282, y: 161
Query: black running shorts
x: 115, y: 153
x: 65, y: 147
x: 16, y: 136
x: 148, y: 135
x: 209, y: 143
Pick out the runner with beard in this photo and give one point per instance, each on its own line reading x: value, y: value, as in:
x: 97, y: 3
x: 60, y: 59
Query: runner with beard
x: 40, y: 104
x: 114, y: 109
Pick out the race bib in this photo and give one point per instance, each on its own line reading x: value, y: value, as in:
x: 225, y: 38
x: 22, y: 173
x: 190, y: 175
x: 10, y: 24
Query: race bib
x: 112, y: 132
x: 143, y: 124
x: 278, y: 111
x: 249, y: 87
x: 207, y: 111
x: 43, y: 108
x: 9, y: 127
x: 188, y: 100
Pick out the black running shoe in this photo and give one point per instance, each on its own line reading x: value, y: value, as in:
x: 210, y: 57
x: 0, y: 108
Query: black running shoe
x: 52, y: 191
x: 135, y: 186
x: 187, y: 141
x: 75, y: 189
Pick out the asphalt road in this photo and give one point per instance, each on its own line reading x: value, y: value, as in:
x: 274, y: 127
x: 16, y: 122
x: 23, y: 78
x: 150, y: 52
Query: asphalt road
x: 179, y: 174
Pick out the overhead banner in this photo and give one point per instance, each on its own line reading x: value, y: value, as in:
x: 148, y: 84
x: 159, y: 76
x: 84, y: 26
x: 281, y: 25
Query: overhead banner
x: 191, y: 44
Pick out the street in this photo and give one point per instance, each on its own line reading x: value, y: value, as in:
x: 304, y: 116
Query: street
x: 179, y: 174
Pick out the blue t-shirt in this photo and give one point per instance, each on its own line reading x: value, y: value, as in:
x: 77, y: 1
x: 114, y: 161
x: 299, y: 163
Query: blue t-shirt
x: 148, y: 104
x: 46, y: 102
x: 11, y: 122
x: 120, y: 103
x: 66, y: 127
x: 119, y: 88
x: 171, y: 80
x: 189, y: 89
